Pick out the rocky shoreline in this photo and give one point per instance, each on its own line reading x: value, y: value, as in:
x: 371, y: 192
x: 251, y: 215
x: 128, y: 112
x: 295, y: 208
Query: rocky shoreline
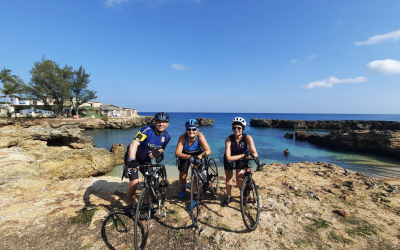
x: 344, y: 124
x: 85, y: 123
x: 303, y: 205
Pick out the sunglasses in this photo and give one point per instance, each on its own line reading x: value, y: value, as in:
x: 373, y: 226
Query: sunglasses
x: 237, y: 128
x: 191, y: 129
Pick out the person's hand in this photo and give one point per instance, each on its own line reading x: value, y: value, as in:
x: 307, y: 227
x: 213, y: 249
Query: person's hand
x: 133, y: 164
x: 248, y: 154
x: 154, y: 154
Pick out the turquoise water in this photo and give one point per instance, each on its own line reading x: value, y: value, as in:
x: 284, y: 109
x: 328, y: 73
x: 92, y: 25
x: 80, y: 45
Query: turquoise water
x: 269, y: 142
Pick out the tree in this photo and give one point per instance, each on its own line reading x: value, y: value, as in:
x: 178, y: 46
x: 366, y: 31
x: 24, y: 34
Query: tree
x: 79, y: 89
x: 51, y: 84
x: 12, y: 85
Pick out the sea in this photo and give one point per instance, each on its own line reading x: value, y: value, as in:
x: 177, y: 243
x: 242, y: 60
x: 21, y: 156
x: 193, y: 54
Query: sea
x: 269, y: 142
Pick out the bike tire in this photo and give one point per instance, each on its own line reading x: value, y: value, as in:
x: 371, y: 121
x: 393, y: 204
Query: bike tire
x: 163, y: 184
x: 141, y: 237
x: 195, y: 210
x: 251, y: 208
x: 213, y: 178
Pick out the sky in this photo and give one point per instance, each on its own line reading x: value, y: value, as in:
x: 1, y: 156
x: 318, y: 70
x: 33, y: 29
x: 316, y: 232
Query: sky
x: 258, y: 56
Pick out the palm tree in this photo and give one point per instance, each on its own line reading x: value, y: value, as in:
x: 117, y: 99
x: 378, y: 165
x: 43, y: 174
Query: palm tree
x: 12, y: 85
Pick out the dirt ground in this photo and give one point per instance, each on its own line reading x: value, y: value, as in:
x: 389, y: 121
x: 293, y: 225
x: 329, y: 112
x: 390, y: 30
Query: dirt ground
x: 303, y: 206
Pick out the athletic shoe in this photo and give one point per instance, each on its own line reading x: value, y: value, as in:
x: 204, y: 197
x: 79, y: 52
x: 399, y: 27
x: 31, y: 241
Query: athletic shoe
x: 182, y: 192
x: 130, y: 211
x: 194, y: 205
x: 226, y: 201
x: 145, y: 208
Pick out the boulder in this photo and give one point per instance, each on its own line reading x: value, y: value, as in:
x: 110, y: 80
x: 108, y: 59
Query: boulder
x: 302, y: 135
x: 118, y: 150
x: 205, y: 121
x: 289, y: 135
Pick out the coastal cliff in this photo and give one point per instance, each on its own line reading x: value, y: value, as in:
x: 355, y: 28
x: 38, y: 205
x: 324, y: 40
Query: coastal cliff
x: 383, y: 142
x: 344, y: 124
x: 85, y: 123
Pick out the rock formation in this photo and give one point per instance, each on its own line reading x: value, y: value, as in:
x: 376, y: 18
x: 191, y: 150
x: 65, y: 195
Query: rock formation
x: 345, y: 124
x: 57, y: 153
x: 205, y: 121
x: 86, y: 123
x: 289, y: 135
x: 382, y: 142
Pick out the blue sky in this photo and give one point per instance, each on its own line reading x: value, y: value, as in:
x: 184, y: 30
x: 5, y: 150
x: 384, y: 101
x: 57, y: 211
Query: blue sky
x: 217, y: 55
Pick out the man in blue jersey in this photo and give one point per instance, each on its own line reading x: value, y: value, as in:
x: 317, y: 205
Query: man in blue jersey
x: 148, y: 144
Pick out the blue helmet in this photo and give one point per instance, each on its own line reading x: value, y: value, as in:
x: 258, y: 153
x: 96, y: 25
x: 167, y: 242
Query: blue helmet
x: 192, y: 123
x: 161, y: 116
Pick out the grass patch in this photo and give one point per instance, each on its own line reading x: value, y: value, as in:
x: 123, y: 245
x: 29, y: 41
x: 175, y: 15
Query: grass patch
x: 87, y: 247
x: 297, y: 192
x: 333, y: 236
x: 120, y: 222
x: 177, y: 219
x: 293, y: 208
x: 365, y: 229
x: 83, y: 216
x: 385, y: 200
x: 179, y: 234
x: 222, y: 226
x: 208, y: 239
x: 318, y: 223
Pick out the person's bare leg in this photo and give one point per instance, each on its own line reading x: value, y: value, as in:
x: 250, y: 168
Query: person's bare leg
x: 239, y: 177
x: 131, y: 191
x: 182, y: 178
x: 228, y: 181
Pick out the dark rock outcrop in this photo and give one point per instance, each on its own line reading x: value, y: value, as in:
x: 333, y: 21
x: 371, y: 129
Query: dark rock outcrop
x: 205, y: 121
x: 382, y: 142
x: 289, y: 135
x: 344, y: 124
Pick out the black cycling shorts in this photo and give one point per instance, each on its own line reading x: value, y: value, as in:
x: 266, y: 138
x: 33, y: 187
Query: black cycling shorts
x: 133, y: 174
x: 239, y: 164
x: 184, y: 165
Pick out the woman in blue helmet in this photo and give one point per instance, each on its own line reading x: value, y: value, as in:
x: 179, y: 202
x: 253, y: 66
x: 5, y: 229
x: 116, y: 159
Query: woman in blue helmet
x: 191, y: 143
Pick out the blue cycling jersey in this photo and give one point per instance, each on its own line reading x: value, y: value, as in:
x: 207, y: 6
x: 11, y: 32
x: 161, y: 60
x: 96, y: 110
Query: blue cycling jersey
x: 149, y: 140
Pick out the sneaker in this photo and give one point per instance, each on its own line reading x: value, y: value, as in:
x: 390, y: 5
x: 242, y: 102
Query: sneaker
x: 194, y: 205
x: 226, y: 201
x: 145, y: 208
x: 130, y: 211
x: 182, y: 192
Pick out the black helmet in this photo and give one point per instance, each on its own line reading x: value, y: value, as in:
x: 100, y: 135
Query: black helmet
x: 161, y: 116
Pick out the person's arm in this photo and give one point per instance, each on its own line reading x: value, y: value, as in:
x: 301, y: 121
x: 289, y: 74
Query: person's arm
x: 250, y: 142
x: 179, y: 148
x: 228, y: 155
x: 133, y: 149
x: 204, y: 144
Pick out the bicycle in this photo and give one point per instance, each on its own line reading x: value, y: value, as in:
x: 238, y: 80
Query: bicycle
x: 249, y: 198
x: 154, y: 187
x: 208, y: 179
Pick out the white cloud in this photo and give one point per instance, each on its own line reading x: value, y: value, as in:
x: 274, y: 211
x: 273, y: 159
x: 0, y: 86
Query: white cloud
x: 311, y: 56
x: 293, y: 61
x: 328, y: 83
x: 383, y: 67
x: 112, y: 3
x: 178, y: 66
x: 394, y: 36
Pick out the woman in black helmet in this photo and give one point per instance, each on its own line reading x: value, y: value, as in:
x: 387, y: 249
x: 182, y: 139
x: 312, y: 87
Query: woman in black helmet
x: 235, y: 149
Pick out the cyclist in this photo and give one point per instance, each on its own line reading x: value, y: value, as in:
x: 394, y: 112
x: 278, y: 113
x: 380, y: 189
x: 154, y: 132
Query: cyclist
x: 149, y: 143
x: 235, y: 150
x: 191, y: 143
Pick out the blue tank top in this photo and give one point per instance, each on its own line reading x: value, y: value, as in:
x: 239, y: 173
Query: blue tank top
x: 195, y: 149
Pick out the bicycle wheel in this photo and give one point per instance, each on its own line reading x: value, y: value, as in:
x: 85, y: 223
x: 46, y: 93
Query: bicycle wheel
x: 195, y: 198
x: 163, y: 184
x: 143, y: 215
x: 249, y: 203
x: 213, y: 176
